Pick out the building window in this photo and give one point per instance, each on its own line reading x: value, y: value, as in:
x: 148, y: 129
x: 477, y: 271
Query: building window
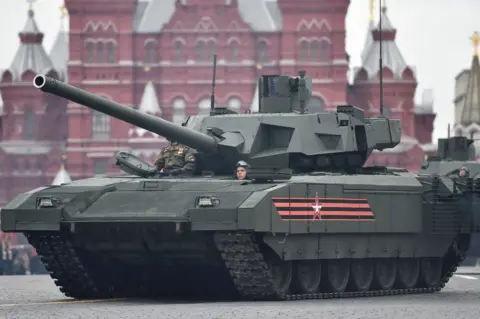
x: 100, y: 126
x: 28, y: 129
x: 100, y: 167
x: 314, y: 51
x: 262, y: 51
x: 100, y: 52
x: 204, y: 107
x: 150, y: 52
x: 178, y: 51
x: 90, y: 52
x: 110, y: 52
x: 211, y: 49
x: 200, y: 51
x: 234, y: 48
x: 303, y: 50
x: 234, y: 104
x: 324, y: 51
x: 178, y: 111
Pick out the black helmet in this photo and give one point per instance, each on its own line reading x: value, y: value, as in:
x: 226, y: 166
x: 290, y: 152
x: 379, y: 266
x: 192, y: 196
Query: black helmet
x: 242, y: 164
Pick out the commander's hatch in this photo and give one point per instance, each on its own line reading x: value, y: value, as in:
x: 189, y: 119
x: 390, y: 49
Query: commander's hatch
x: 132, y: 164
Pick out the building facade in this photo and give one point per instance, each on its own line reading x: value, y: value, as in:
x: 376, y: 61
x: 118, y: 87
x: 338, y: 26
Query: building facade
x: 467, y: 98
x: 156, y: 56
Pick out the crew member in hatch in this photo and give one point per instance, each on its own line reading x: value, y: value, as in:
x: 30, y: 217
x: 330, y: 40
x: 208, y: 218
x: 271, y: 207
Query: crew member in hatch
x: 176, y: 158
x: 241, y: 170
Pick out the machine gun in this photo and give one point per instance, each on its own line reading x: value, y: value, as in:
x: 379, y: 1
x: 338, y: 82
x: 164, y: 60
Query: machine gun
x: 282, y: 137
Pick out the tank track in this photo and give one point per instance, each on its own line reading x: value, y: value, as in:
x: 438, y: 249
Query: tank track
x: 65, y: 268
x: 241, y: 254
x: 75, y: 276
x: 249, y: 271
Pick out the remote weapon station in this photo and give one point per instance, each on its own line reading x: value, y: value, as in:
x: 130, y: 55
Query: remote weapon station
x: 311, y: 221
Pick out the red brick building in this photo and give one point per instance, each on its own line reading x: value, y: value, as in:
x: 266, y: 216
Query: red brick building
x: 156, y: 56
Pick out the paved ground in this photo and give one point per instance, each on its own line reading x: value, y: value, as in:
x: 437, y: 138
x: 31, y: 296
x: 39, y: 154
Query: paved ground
x: 37, y: 297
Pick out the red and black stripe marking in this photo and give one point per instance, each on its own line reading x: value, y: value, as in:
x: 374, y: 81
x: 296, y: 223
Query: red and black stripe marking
x: 334, y: 209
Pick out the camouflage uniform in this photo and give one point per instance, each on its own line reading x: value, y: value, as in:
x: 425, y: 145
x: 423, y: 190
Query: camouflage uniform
x: 176, y: 158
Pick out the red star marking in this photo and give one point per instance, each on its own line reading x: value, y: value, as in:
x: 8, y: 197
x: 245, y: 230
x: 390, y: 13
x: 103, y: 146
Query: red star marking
x: 317, y: 207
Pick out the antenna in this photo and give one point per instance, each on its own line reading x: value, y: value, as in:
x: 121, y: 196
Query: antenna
x: 380, y: 61
x: 212, y: 97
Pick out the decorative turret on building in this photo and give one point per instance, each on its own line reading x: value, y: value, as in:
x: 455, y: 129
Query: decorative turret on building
x: 59, y: 51
x: 467, y: 101
x: 32, y: 132
x: 147, y: 144
x: 369, y: 36
x: 148, y: 104
x: 62, y: 176
x: 399, y: 86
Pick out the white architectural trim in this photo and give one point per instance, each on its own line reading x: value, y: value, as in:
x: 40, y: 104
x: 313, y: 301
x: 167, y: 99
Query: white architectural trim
x: 309, y: 25
x: 94, y: 26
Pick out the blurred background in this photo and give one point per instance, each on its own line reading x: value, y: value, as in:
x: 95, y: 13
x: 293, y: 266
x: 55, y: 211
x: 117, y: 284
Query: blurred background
x: 156, y: 56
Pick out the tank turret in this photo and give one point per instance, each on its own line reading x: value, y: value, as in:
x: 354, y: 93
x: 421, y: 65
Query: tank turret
x: 283, y: 135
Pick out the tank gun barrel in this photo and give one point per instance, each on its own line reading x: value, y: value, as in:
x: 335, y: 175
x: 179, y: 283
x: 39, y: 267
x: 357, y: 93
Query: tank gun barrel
x: 199, y: 141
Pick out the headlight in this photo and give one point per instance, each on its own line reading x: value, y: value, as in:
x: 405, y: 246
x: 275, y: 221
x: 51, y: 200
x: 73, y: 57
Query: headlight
x: 206, y: 201
x: 45, y: 202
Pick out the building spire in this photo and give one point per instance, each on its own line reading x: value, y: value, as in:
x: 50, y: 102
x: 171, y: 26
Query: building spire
x: 30, y: 6
x: 371, y: 26
x: 475, y: 41
x: 470, y: 112
x: 64, y: 13
x: 62, y: 176
x: 30, y: 55
x: 59, y: 52
x: 372, y: 10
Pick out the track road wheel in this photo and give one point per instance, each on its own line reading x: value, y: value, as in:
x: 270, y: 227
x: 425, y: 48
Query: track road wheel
x: 431, y: 271
x: 281, y: 271
x: 361, y: 272
x: 337, y: 274
x: 408, y: 272
x: 307, y: 275
x: 385, y: 273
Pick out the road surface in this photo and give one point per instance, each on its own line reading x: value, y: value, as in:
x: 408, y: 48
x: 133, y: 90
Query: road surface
x: 37, y: 297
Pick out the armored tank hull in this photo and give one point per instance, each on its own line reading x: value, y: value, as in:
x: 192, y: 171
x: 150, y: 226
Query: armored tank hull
x: 456, y: 154
x: 311, y: 237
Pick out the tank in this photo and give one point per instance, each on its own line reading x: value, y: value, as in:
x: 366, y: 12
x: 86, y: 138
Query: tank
x: 456, y: 159
x: 311, y: 222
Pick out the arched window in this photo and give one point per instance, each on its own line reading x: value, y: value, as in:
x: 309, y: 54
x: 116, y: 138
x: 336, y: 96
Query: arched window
x: 316, y: 104
x: 211, y: 49
x: 90, y: 52
x: 100, y: 52
x: 262, y: 51
x: 150, y: 52
x: 29, y: 126
x: 314, y: 51
x: 234, y: 104
x: 178, y: 51
x: 178, y: 111
x: 204, y: 107
x: 324, y: 51
x: 100, y: 126
x: 234, y: 48
x: 110, y: 52
x: 303, y: 50
x: 200, y: 51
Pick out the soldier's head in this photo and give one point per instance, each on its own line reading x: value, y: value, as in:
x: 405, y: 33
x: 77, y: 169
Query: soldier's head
x: 241, y: 170
x: 171, y: 141
x: 463, y: 172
